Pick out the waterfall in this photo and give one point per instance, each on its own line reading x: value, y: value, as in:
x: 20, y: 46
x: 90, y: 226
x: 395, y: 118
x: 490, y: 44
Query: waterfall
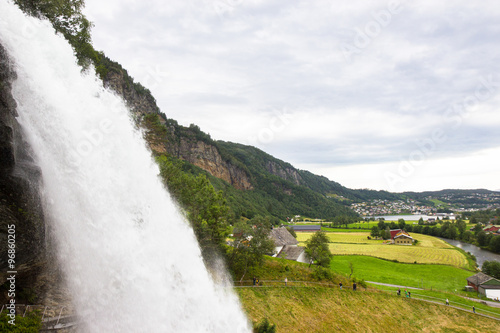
x: 131, y: 260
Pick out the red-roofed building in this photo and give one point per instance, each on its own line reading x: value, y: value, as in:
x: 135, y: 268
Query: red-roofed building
x: 492, y: 229
x: 401, y: 237
x: 394, y: 232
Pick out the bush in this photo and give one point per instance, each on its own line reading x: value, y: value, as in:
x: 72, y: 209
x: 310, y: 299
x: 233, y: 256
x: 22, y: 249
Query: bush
x: 321, y: 273
x: 31, y: 323
x: 264, y: 327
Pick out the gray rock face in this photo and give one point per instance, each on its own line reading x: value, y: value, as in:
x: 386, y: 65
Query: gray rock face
x: 20, y: 204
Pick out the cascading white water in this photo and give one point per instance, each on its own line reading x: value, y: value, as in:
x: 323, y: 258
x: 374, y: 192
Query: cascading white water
x: 131, y: 261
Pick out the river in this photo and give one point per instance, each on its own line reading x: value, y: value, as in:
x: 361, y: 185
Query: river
x: 481, y: 255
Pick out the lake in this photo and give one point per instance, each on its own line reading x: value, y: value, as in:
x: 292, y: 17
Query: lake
x: 405, y: 217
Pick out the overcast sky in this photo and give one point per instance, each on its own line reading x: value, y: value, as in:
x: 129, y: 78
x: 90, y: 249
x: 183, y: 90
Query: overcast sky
x: 394, y: 95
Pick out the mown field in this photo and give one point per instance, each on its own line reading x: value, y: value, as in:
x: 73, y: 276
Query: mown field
x: 429, y: 250
x: 311, y: 310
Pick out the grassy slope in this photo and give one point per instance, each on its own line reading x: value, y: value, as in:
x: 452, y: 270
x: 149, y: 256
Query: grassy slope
x: 332, y: 310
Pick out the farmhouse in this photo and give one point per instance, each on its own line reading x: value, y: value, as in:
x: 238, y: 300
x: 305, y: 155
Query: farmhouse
x: 306, y: 228
x: 485, y: 285
x: 492, y: 229
x: 286, y: 245
x: 401, y: 237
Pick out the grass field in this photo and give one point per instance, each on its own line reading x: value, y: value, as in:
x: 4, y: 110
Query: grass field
x: 318, y: 309
x: 332, y: 310
x: 429, y: 250
x: 436, y: 277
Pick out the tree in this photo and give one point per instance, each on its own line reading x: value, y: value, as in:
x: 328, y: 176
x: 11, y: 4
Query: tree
x: 375, y: 232
x: 66, y: 18
x: 481, y: 238
x: 451, y: 232
x: 495, y: 244
x: 317, y: 249
x: 250, y: 245
x: 492, y: 268
x: 461, y: 226
x: 401, y: 224
x: 477, y: 228
x: 467, y: 236
x: 206, y: 209
x: 381, y: 224
x: 385, y: 234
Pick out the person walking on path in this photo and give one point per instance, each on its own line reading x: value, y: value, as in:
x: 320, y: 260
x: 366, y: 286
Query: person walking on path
x: 254, y: 280
x: 473, y: 309
x: 399, y: 291
x: 447, y: 302
x: 409, y: 294
x: 286, y: 280
x: 340, y: 285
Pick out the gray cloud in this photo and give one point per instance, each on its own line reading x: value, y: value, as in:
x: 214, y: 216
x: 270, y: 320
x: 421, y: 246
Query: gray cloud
x: 237, y: 59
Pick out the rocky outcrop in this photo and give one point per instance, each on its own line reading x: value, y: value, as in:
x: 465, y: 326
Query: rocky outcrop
x: 207, y: 157
x: 20, y: 204
x: 139, y: 102
x: 287, y: 173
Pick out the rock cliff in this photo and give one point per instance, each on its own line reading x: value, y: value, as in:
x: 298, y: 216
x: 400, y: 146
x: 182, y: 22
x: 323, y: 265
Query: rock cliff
x: 208, y: 158
x: 287, y: 173
x: 20, y: 204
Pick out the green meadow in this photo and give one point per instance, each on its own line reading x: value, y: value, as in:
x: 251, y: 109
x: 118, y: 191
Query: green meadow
x: 436, y: 277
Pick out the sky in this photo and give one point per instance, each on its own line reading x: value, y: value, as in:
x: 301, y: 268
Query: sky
x: 387, y: 95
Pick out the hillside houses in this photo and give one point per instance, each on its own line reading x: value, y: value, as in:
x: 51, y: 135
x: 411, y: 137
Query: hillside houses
x: 386, y: 207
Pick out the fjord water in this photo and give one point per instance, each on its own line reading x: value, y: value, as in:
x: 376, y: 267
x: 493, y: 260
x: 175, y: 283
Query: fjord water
x: 131, y: 262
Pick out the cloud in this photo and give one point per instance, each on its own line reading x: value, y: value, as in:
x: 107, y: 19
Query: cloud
x: 232, y: 66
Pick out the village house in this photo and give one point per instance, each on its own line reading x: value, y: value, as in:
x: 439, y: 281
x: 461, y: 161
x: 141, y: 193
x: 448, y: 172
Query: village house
x: 401, y: 237
x: 485, y: 285
x: 286, y: 245
x: 492, y: 229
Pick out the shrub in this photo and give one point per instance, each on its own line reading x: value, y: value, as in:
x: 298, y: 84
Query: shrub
x: 264, y: 327
x: 321, y: 273
x: 31, y: 323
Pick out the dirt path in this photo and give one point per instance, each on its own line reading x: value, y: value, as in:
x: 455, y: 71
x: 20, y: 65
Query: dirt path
x: 393, y: 285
